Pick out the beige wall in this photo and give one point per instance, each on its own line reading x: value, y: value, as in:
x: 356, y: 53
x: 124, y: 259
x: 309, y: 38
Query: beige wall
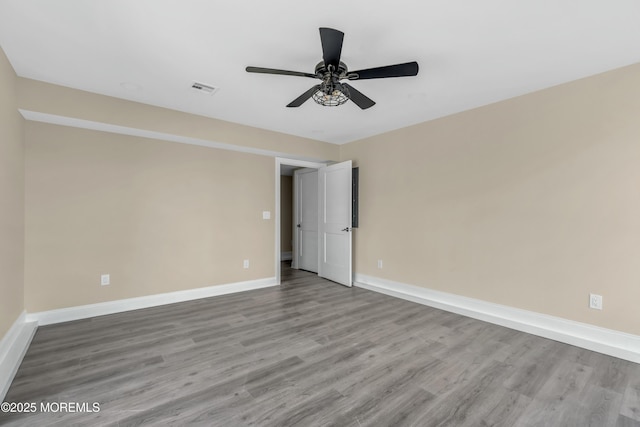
x: 11, y: 200
x: 47, y: 98
x: 532, y: 202
x: 286, y: 213
x: 157, y: 216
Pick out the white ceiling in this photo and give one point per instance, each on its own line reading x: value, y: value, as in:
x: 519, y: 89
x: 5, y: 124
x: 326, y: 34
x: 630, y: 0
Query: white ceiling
x: 470, y: 52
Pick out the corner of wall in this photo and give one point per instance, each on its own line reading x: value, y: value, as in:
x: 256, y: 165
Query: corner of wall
x: 11, y: 198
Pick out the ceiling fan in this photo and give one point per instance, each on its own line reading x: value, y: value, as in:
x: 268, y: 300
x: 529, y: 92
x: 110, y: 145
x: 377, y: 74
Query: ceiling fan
x: 331, y: 91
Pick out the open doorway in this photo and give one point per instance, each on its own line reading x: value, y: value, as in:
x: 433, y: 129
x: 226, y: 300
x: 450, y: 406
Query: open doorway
x: 285, y: 167
x: 333, y: 216
x: 286, y: 214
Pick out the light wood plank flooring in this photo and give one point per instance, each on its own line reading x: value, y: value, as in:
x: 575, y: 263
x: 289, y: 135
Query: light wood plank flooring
x: 312, y: 352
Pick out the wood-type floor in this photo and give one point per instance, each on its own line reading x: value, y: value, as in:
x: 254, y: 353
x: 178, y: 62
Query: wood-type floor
x: 314, y: 353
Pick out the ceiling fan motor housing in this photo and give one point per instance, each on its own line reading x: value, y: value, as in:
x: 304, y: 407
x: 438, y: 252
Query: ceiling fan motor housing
x: 322, y: 71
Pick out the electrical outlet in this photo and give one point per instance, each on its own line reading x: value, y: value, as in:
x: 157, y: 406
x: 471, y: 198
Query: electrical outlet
x: 595, y: 301
x: 105, y: 279
x: 379, y: 263
x: 245, y: 264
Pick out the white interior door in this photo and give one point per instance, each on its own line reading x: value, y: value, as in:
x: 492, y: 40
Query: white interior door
x: 335, y: 222
x: 305, y: 188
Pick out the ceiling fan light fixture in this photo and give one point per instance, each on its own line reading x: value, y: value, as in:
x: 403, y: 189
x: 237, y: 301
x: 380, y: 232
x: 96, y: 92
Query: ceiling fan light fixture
x: 333, y: 98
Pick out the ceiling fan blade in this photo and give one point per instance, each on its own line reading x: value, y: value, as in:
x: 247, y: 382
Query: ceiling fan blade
x: 282, y: 72
x: 398, y: 70
x: 302, y: 98
x: 358, y: 98
x: 331, y: 46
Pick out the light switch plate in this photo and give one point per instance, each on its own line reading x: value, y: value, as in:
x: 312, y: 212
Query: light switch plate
x: 595, y: 301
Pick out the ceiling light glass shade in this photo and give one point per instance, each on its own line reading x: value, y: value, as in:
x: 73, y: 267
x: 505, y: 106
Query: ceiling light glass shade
x: 333, y: 98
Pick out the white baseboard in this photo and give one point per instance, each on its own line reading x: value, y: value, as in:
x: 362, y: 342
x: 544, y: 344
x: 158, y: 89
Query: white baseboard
x: 606, y: 341
x: 13, y: 347
x: 119, y: 306
x: 286, y: 256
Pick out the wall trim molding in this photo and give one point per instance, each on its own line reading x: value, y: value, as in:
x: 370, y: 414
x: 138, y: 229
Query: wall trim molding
x: 13, y: 347
x: 119, y: 306
x: 602, y: 340
x: 55, y: 119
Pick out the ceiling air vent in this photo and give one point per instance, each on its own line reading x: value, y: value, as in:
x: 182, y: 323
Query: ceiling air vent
x: 203, y: 88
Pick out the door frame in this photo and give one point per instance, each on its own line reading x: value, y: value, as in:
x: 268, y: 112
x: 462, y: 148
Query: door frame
x: 289, y: 162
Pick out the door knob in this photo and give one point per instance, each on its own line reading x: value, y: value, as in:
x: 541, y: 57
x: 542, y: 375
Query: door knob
x: 298, y: 225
